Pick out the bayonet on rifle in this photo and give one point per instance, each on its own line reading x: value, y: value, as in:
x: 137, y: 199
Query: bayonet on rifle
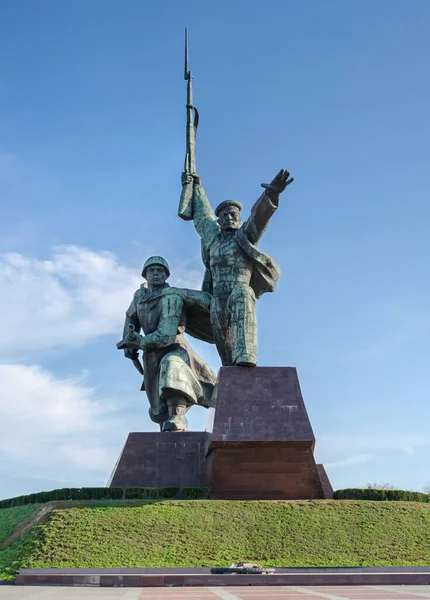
x: 185, y: 210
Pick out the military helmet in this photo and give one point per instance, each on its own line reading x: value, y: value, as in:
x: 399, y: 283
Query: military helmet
x: 156, y: 260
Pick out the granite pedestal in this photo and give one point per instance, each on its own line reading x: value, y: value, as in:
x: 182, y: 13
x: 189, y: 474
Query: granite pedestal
x: 262, y: 441
x: 158, y: 459
x: 258, y: 444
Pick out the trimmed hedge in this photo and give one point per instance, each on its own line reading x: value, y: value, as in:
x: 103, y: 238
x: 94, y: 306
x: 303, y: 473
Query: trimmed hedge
x: 146, y: 493
x: 372, y: 494
x: 64, y: 494
x: 195, y: 493
x: 189, y: 493
x: 113, y: 493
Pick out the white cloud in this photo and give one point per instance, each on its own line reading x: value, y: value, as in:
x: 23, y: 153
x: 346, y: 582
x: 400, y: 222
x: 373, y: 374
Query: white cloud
x: 54, y: 429
x: 352, y: 460
x: 76, y: 295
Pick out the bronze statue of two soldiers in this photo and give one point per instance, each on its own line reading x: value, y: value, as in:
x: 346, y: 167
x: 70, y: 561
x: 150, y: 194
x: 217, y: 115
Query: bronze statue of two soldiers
x: 223, y: 312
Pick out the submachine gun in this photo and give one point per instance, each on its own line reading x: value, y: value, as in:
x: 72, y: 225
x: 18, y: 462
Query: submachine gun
x: 122, y: 345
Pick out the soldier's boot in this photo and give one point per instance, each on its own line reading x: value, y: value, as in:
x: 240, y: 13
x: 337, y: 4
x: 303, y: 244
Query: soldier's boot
x: 160, y: 416
x: 177, y: 420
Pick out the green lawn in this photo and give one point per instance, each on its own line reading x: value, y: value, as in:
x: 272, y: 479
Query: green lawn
x: 173, y: 533
x: 11, y: 555
x: 11, y: 517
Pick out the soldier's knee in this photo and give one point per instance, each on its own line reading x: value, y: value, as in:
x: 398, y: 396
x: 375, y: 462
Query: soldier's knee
x: 242, y: 295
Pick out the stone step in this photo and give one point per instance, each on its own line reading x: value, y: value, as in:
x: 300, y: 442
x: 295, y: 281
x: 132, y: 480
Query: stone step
x: 203, y: 578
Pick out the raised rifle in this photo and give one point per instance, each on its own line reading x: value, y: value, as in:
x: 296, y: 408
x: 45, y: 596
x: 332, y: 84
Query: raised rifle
x: 185, y: 210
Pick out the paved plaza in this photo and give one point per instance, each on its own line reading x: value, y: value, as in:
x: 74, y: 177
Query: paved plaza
x: 407, y: 592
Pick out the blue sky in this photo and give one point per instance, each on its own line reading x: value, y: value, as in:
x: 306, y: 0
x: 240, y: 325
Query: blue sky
x: 91, y: 151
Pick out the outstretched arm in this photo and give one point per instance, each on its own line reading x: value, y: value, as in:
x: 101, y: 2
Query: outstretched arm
x: 265, y: 206
x: 203, y: 215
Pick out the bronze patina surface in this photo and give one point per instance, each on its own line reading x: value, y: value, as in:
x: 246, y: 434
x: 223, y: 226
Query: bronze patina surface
x: 237, y: 272
x: 175, y: 377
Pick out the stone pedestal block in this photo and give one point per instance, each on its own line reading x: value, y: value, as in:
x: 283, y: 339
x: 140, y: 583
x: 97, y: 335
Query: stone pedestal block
x: 260, y: 404
x: 325, y: 482
x: 258, y: 444
x: 262, y: 441
x: 162, y: 460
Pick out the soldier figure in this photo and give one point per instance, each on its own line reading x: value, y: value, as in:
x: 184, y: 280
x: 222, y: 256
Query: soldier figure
x: 236, y: 271
x: 175, y: 377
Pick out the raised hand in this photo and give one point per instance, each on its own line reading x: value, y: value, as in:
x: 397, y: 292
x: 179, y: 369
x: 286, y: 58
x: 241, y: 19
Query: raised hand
x: 190, y: 178
x: 186, y: 178
x: 279, y: 183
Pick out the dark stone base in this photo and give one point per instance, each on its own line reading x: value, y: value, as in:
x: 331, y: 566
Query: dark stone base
x: 259, y: 445
x: 325, y: 482
x: 260, y: 404
x: 332, y: 576
x: 162, y: 460
x: 262, y: 441
x: 265, y: 471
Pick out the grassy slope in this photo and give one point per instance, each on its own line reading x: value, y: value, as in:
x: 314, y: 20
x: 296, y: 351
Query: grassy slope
x: 10, y: 518
x: 208, y: 533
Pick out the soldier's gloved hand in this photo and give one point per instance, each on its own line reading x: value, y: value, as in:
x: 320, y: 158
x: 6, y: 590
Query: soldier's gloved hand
x: 136, y: 343
x: 131, y: 354
x: 186, y: 178
x: 278, y: 184
x: 197, y: 179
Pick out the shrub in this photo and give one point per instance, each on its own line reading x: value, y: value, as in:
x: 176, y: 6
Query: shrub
x: 64, y: 494
x: 147, y: 493
x: 193, y: 493
x: 374, y: 494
